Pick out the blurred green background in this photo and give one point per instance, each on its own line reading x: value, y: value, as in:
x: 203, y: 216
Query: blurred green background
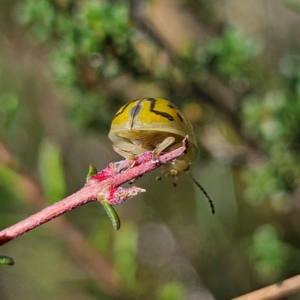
x: 232, y: 66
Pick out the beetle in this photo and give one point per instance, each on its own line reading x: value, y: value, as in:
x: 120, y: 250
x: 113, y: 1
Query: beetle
x: 153, y: 124
x: 157, y: 125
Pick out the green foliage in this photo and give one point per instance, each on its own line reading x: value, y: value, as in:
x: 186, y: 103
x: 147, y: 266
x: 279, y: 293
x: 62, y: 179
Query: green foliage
x: 274, y: 120
x: 90, y: 44
x: 172, y: 291
x: 268, y: 253
x: 9, y: 184
x: 81, y: 37
x: 89, y: 110
x: 38, y: 15
x: 125, y: 253
x: 51, y: 171
x: 262, y: 183
x: 229, y: 54
x: 9, y: 104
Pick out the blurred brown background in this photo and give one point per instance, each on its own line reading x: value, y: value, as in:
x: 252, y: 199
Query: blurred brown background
x: 232, y: 66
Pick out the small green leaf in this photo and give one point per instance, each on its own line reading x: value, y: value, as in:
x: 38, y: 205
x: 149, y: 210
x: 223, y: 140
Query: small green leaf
x: 5, y: 260
x: 92, y: 171
x: 112, y: 214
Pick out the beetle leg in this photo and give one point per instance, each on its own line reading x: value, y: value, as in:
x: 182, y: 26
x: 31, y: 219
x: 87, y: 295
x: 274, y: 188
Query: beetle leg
x: 158, y: 177
x: 175, y: 180
x: 162, y: 146
x: 124, y: 153
x: 124, y: 165
x: 132, y: 181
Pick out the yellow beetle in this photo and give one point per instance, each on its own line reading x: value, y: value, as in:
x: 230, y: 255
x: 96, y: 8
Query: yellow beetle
x: 153, y: 124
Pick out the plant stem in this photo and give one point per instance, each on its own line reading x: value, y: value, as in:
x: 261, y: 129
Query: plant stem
x: 90, y: 192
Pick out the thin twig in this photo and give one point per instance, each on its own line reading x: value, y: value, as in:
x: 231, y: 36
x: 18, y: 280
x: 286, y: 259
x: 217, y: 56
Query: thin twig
x: 96, y: 186
x: 274, y: 291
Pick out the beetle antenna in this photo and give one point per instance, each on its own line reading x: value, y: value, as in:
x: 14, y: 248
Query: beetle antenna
x: 210, y: 201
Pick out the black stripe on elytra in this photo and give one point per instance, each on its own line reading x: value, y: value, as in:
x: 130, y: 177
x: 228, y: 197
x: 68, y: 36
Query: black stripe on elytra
x: 157, y: 112
x: 124, y: 107
x: 135, y: 111
x: 180, y: 116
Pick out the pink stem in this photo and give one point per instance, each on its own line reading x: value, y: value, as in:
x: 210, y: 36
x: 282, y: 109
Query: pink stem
x: 90, y: 192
